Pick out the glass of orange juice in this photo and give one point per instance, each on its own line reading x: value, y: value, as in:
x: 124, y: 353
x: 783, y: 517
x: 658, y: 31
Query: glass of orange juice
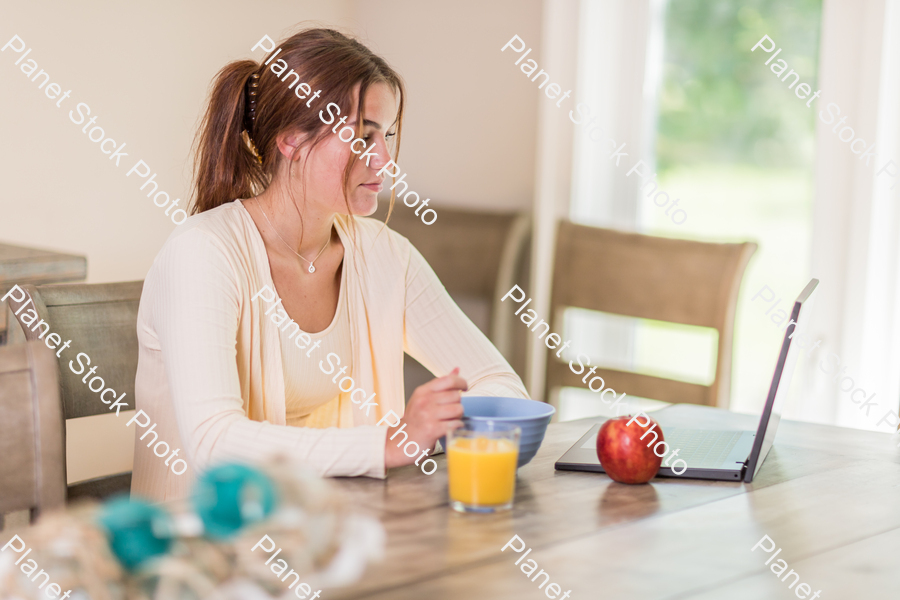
x: 481, y: 466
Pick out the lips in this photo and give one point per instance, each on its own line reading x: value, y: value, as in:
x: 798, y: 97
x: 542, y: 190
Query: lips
x: 375, y: 187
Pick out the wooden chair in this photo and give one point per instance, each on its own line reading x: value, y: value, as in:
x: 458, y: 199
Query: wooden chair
x: 679, y: 281
x: 101, y: 321
x: 32, y: 443
x: 477, y: 255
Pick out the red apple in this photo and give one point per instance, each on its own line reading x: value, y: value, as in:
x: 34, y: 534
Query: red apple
x: 625, y: 456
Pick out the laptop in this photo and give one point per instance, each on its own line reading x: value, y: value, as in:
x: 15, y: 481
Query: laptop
x: 721, y: 455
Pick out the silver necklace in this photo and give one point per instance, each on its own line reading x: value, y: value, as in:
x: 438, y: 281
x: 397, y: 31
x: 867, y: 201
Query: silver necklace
x: 311, y: 269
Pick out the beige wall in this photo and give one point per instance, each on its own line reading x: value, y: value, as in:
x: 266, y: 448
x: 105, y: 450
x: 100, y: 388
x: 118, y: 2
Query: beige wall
x: 470, y: 129
x: 144, y: 70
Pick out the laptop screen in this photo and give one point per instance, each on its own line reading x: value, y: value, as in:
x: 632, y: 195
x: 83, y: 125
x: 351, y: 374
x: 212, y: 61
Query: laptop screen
x: 781, y: 381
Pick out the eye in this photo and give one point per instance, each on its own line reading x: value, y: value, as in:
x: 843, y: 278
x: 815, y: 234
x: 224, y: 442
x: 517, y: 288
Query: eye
x: 387, y: 136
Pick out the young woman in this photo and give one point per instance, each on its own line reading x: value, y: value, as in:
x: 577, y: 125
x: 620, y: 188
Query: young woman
x: 275, y: 319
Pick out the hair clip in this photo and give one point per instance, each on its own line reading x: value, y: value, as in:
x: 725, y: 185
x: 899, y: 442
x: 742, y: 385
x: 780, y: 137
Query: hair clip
x: 245, y: 135
x: 250, y: 115
x: 252, y: 87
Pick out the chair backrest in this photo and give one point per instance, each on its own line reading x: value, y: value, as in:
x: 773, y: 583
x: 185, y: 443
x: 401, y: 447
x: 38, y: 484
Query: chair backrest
x: 20, y: 265
x: 679, y: 281
x: 466, y: 250
x: 32, y: 470
x: 476, y: 254
x: 101, y: 321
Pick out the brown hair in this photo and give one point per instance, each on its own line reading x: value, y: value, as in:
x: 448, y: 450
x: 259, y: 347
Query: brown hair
x: 225, y: 167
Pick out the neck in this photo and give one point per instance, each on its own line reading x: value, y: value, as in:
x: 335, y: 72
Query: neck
x: 305, y: 236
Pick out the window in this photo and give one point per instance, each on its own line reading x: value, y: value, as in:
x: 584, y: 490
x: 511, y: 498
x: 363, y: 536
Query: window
x: 728, y: 139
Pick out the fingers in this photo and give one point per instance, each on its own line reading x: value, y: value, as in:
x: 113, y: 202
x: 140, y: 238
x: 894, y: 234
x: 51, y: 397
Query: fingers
x: 451, y: 381
x: 448, y: 382
x: 448, y: 397
x: 449, y: 411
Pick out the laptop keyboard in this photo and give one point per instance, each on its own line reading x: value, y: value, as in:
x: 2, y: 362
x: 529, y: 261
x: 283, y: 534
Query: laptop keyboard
x: 702, y: 447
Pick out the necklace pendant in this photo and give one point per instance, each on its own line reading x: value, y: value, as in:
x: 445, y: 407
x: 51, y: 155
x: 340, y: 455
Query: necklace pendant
x: 311, y: 269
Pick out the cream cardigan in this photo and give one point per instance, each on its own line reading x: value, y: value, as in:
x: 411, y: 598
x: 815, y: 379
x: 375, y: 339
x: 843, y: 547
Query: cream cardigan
x: 209, y: 367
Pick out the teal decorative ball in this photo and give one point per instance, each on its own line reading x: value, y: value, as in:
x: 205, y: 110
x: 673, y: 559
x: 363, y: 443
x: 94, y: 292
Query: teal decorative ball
x: 229, y: 497
x: 136, y: 530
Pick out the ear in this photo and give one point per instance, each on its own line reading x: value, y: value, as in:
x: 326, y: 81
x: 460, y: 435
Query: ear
x: 288, y: 142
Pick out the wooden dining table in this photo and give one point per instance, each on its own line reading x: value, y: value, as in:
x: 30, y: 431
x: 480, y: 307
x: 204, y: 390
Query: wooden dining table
x: 828, y: 497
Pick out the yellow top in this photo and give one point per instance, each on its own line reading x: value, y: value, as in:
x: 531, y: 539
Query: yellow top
x: 307, y: 388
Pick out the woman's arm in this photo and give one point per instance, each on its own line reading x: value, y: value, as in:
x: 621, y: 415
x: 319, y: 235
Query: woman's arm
x: 440, y: 336
x: 196, y: 308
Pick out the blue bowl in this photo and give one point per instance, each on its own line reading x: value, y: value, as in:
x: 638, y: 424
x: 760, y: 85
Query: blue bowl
x: 530, y: 415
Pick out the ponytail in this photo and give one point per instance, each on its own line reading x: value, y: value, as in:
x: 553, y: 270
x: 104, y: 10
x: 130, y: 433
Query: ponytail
x: 224, y: 167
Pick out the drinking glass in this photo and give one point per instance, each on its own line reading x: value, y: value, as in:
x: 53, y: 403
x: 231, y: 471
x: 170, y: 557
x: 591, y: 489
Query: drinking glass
x: 481, y: 466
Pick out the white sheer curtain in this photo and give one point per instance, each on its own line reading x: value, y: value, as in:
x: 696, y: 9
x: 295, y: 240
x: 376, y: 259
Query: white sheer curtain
x: 601, y: 47
x: 619, y: 72
x: 619, y: 58
x: 553, y: 168
x: 856, y: 231
x: 612, y: 51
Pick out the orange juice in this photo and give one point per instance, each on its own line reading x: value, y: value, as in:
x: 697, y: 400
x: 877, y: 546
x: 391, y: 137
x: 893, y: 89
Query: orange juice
x: 481, y: 470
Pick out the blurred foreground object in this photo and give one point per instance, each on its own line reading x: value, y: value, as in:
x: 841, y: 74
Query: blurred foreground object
x: 135, y: 550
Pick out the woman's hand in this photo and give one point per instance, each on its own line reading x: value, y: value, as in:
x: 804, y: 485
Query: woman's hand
x: 432, y: 411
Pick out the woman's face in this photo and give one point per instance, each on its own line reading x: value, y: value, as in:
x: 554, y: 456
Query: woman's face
x: 325, y: 164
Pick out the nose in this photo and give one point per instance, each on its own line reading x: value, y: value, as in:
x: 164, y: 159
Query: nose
x: 382, y: 157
